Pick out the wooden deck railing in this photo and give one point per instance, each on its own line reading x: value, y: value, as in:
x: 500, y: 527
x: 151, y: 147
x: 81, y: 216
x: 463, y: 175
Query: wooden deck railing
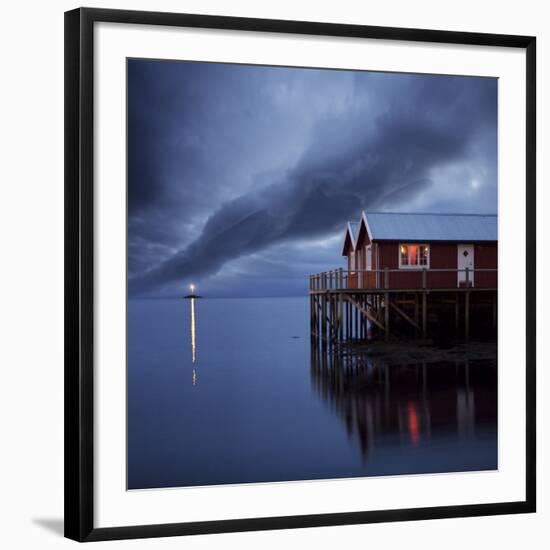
x: 340, y: 279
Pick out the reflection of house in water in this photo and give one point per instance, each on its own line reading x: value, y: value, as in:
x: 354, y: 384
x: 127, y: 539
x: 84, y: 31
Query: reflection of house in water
x: 411, y: 404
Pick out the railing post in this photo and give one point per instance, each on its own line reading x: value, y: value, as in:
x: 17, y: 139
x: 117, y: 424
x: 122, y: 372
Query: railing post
x: 386, y: 278
x: 424, y: 277
x: 467, y: 277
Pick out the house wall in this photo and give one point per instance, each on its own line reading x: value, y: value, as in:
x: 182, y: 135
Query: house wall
x: 350, y: 275
x: 486, y: 257
x: 442, y: 256
x: 366, y: 280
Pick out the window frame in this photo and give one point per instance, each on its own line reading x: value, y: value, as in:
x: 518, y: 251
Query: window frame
x: 417, y: 266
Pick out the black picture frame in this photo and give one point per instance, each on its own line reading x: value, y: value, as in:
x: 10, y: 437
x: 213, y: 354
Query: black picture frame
x: 79, y: 269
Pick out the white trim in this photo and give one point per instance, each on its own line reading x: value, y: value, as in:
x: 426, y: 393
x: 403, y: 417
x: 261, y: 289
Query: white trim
x: 368, y: 257
x: 353, y: 237
x: 364, y: 219
x: 349, y: 231
x: 359, y: 265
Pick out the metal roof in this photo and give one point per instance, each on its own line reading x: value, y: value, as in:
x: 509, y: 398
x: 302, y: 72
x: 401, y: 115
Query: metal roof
x: 431, y: 227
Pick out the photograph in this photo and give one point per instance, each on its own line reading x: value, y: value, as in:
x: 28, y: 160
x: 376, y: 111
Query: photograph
x: 290, y: 270
x: 312, y: 273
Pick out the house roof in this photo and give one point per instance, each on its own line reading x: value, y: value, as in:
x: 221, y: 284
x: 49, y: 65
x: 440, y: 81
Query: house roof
x: 351, y: 234
x: 431, y: 227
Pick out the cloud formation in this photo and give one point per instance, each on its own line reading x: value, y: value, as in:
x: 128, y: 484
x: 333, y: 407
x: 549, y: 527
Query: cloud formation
x: 226, y: 162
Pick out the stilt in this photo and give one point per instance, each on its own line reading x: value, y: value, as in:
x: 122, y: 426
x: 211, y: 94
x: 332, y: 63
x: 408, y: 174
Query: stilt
x: 339, y: 314
x: 466, y: 316
x: 424, y: 314
x: 363, y: 320
x: 457, y: 314
x: 324, y: 314
x: 355, y: 321
x: 348, y: 324
x: 416, y: 314
x: 387, y: 315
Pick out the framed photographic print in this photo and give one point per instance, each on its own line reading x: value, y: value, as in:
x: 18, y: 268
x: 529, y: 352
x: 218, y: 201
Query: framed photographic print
x: 300, y: 274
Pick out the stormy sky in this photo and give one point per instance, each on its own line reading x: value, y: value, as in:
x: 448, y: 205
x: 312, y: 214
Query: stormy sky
x: 241, y: 178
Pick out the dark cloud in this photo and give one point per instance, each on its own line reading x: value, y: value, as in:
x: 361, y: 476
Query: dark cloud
x: 363, y: 140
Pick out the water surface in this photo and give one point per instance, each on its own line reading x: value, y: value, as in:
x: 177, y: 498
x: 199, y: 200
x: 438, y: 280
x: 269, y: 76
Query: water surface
x: 228, y: 391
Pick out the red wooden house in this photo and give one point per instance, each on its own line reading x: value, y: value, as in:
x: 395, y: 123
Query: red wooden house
x: 410, y: 251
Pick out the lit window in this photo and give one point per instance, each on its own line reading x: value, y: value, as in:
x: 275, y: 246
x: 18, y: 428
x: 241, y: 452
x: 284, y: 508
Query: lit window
x: 414, y: 255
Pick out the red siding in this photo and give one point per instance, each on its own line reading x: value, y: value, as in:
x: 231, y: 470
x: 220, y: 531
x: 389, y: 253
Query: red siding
x: 486, y: 257
x: 442, y: 256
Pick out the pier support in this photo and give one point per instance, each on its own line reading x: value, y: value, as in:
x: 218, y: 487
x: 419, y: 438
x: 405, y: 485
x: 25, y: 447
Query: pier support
x: 387, y: 315
x: 457, y: 314
x: 341, y: 313
x: 466, y: 316
x: 424, y: 314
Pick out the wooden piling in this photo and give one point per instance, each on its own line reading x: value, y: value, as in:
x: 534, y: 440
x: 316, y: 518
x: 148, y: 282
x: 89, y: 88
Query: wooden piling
x: 387, y: 315
x: 424, y: 314
x: 416, y: 314
x: 467, y: 315
x: 457, y: 314
x: 340, y: 312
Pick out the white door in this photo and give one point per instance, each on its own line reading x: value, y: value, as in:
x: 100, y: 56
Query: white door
x: 465, y: 259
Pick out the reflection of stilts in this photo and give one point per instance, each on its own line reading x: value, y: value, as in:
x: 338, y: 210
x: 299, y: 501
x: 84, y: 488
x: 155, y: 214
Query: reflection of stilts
x: 465, y: 405
x: 407, y: 401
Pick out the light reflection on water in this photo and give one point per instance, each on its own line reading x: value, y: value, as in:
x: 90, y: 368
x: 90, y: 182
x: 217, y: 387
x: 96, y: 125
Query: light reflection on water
x: 193, y: 331
x: 193, y: 326
x: 268, y: 408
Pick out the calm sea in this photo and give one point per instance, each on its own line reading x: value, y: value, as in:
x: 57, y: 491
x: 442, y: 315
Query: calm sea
x: 228, y: 391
